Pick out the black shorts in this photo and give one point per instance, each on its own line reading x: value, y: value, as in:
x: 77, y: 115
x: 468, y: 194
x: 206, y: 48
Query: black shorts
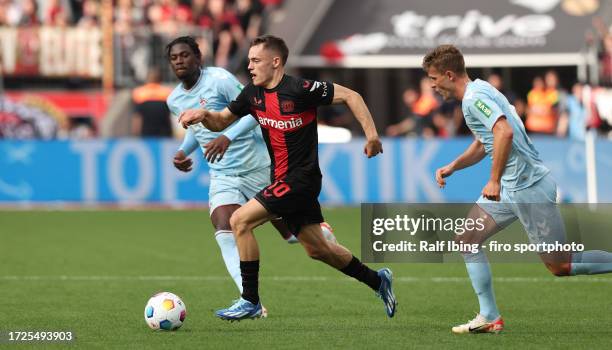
x: 295, y: 200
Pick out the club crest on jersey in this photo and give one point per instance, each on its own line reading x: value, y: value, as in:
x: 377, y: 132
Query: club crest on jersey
x: 203, y: 102
x: 287, y: 106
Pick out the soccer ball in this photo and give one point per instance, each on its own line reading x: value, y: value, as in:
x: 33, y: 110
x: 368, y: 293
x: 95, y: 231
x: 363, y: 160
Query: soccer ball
x: 165, y: 311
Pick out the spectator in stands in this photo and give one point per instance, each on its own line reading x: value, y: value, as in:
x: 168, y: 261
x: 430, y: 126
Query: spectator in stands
x: 551, y: 82
x: 199, y: 9
x: 573, y: 123
x: 518, y: 102
x: 449, y: 121
x: 497, y: 82
x: 11, y: 12
x: 226, y: 30
x: 521, y: 109
x: 3, y: 13
x: 249, y: 14
x: 604, y: 49
x: 423, y: 109
x: 127, y: 16
x: 406, y: 126
x: 55, y: 13
x: 541, y: 113
x: 159, y: 15
x: 183, y: 16
x: 152, y: 116
x: 605, y: 59
x: 90, y: 17
x: 29, y: 14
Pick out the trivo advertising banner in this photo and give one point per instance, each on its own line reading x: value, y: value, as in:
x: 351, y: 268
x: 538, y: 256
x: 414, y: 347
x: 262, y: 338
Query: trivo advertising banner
x: 387, y: 28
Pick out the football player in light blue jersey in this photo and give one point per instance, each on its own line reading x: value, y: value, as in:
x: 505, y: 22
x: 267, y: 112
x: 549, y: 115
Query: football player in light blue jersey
x: 237, y: 171
x: 520, y: 186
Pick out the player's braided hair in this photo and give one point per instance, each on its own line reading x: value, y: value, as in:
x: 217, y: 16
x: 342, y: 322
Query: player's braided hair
x: 273, y: 43
x: 187, y: 40
x: 445, y: 58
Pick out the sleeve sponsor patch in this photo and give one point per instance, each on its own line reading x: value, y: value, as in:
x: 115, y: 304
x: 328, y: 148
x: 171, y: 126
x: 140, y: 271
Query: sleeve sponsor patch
x: 483, y: 108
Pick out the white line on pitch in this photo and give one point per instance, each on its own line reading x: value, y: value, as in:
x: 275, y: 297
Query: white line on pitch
x: 406, y: 279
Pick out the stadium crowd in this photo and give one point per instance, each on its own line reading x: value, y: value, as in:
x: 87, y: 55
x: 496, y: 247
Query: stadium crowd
x: 232, y: 22
x: 547, y: 108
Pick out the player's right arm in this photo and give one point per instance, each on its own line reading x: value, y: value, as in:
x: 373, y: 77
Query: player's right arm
x: 229, y: 89
x: 212, y: 120
x: 472, y: 155
x: 218, y: 121
x: 181, y: 160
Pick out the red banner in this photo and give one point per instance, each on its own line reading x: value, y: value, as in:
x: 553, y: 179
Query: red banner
x: 70, y: 103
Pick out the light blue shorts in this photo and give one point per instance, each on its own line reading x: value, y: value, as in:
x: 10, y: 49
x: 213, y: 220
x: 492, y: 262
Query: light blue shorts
x: 535, y: 207
x: 236, y: 189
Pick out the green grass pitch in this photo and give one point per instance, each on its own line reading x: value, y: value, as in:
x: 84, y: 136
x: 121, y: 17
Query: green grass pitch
x: 93, y: 271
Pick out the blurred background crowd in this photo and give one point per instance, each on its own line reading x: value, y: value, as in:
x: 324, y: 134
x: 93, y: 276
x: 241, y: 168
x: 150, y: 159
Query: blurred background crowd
x: 550, y: 100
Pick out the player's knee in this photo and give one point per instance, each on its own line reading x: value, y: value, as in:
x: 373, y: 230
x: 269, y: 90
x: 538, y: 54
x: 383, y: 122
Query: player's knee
x: 559, y: 269
x: 237, y: 223
x: 467, y: 238
x: 223, y: 226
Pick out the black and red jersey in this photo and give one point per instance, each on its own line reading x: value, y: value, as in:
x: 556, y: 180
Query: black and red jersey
x: 287, y: 115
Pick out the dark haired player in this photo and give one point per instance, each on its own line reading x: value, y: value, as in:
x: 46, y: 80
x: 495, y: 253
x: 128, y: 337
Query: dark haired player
x: 285, y: 108
x: 237, y: 171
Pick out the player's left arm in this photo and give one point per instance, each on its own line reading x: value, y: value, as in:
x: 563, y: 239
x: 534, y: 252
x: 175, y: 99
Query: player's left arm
x: 360, y: 110
x: 491, y: 115
x: 502, y: 145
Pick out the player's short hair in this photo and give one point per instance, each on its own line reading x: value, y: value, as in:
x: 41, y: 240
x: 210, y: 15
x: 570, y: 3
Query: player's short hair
x: 274, y: 43
x: 187, y: 40
x: 445, y: 58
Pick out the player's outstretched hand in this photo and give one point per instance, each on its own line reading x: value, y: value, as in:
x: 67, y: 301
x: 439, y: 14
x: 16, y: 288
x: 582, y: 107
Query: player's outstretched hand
x: 492, y: 191
x: 192, y: 116
x: 181, y: 162
x: 442, y: 173
x: 216, y: 148
x: 372, y: 148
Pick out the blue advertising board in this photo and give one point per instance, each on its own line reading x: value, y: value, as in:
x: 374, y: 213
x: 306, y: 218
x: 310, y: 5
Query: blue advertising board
x: 131, y: 171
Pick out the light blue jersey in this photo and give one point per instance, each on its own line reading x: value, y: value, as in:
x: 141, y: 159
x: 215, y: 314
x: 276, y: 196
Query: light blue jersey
x: 214, y: 90
x: 482, y: 105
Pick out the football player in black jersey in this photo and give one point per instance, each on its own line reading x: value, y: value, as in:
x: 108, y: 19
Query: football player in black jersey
x: 285, y: 108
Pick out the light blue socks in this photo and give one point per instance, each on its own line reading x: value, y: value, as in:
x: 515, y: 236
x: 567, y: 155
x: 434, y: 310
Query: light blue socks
x: 478, y: 269
x: 229, y: 251
x: 591, y: 262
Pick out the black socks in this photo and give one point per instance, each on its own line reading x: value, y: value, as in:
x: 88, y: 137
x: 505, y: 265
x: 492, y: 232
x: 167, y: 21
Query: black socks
x: 250, y: 280
x: 360, y: 272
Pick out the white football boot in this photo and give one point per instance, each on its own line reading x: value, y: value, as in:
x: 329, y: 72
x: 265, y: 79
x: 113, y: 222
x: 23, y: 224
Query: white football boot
x: 480, y: 325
